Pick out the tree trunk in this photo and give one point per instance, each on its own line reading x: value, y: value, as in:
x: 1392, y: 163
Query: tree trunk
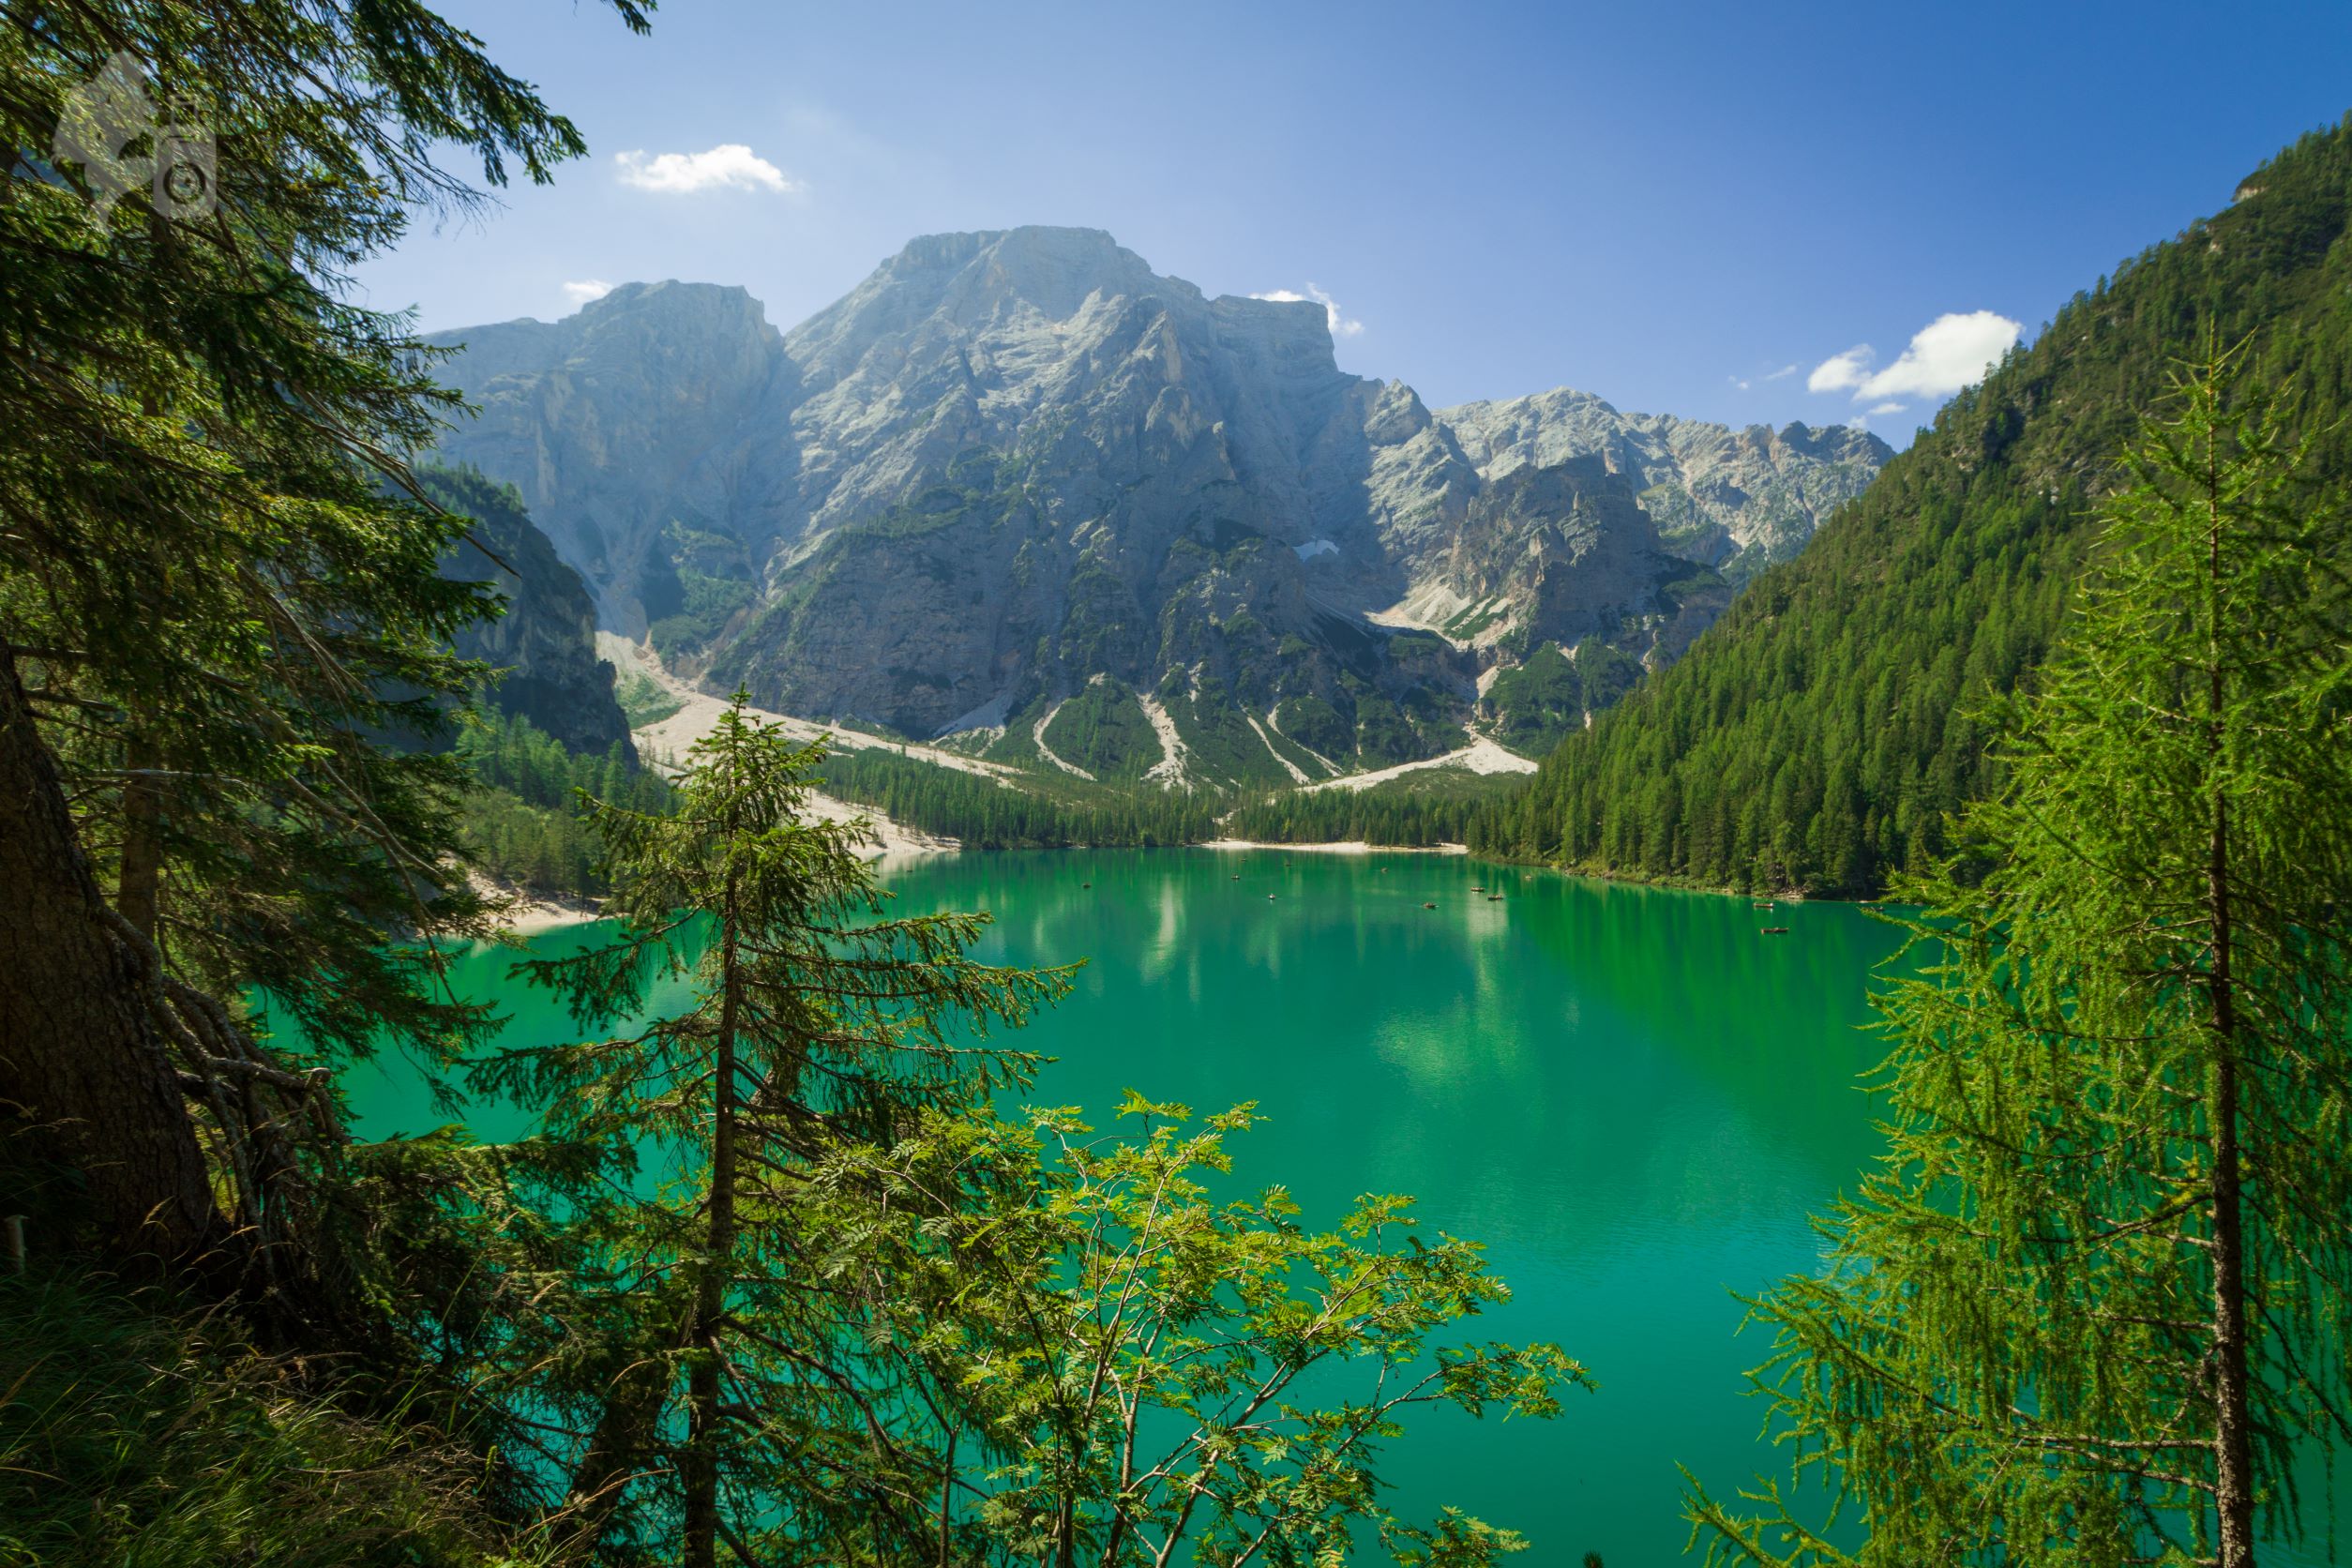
x: 2232, y: 1448
x: 139, y: 883
x: 81, y: 1060
x: 703, y: 1414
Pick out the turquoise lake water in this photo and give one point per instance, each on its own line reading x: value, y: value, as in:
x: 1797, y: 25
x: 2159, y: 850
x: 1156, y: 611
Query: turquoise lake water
x: 1632, y: 1096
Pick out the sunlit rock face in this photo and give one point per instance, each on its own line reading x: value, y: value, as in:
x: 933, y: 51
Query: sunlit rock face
x: 1008, y: 463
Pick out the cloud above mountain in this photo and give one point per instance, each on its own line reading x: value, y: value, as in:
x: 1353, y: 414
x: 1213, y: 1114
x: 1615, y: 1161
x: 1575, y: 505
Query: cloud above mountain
x: 731, y: 165
x: 1951, y: 351
x: 1841, y: 372
x: 1342, y: 325
x: 581, y: 290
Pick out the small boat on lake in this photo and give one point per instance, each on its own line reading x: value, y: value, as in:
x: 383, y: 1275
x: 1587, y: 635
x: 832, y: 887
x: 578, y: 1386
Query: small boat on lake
x: 1428, y: 906
x: 1775, y: 930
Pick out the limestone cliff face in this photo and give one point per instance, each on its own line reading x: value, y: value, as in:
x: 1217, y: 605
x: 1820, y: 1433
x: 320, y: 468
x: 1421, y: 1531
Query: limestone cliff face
x: 1029, y: 460
x: 545, y: 644
x: 1010, y: 462
x: 1735, y: 500
x: 658, y: 407
x: 1562, y: 553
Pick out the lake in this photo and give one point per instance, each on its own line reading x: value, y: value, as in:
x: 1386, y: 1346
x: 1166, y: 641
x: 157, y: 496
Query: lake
x: 1633, y: 1097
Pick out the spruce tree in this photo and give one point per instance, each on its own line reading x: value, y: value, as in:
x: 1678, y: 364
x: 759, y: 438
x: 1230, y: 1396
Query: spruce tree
x: 212, y: 614
x: 2095, y: 1303
x: 813, y: 1022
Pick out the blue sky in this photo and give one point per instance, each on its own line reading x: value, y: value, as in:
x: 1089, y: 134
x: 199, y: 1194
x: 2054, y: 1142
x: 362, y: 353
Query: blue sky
x: 1662, y: 204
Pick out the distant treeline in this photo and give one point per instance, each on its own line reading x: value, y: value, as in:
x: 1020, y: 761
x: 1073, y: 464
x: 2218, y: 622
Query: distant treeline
x: 522, y: 814
x: 987, y: 815
x: 1434, y: 806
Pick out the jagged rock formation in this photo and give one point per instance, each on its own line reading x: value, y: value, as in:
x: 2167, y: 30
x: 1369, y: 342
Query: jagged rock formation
x: 1734, y: 500
x: 1562, y: 553
x: 1009, y: 463
x: 545, y: 644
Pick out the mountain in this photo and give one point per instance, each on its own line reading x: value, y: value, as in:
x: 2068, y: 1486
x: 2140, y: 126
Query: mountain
x: 1015, y: 469
x: 1735, y: 500
x: 545, y: 644
x: 1820, y: 731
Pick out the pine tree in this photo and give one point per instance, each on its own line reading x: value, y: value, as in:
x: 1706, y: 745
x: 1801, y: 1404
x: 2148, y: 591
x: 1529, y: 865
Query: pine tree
x: 212, y: 613
x: 815, y: 1022
x: 2097, y: 1300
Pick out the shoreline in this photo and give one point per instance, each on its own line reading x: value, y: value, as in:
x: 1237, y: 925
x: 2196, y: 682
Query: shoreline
x: 1335, y: 846
x: 531, y: 914
x: 525, y: 914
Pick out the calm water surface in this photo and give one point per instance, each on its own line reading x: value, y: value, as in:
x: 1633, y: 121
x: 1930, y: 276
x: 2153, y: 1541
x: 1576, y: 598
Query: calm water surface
x: 1633, y: 1097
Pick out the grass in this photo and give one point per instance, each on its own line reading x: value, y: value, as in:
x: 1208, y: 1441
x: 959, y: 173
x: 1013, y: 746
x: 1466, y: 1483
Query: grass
x: 137, y: 1434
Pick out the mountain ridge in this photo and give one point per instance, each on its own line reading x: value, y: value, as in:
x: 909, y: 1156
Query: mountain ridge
x: 1012, y: 462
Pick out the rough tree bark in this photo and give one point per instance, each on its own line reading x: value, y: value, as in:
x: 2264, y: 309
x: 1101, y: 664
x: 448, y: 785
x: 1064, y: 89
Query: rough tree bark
x: 83, y: 1062
x: 718, y: 1269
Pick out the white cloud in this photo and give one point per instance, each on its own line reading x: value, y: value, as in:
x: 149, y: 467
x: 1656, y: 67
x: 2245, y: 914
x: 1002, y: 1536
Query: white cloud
x: 586, y: 289
x: 1951, y: 351
x: 1841, y: 372
x: 1746, y: 383
x: 1888, y: 408
x: 728, y: 164
x: 1341, y: 326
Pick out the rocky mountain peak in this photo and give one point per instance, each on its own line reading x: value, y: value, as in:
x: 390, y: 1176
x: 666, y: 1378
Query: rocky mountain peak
x: 1012, y: 462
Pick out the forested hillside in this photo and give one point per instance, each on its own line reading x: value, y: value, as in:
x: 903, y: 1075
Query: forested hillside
x: 1818, y: 733
x: 523, y: 813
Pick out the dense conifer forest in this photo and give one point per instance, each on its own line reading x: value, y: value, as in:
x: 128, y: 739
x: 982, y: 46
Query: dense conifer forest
x: 522, y: 812
x: 1035, y: 813
x: 1819, y: 734
x: 1433, y: 805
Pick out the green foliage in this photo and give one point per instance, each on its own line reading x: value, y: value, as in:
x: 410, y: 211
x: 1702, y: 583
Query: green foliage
x: 522, y: 819
x: 1819, y: 733
x: 1123, y: 1362
x: 705, y: 605
x: 137, y: 1430
x: 1033, y: 812
x: 1422, y: 808
x: 1316, y: 725
x: 1543, y: 700
x: 815, y: 1022
x: 220, y: 608
x: 842, y: 1311
x: 1407, y: 728
x: 2098, y: 1300
x: 1221, y: 746
x: 1104, y: 730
